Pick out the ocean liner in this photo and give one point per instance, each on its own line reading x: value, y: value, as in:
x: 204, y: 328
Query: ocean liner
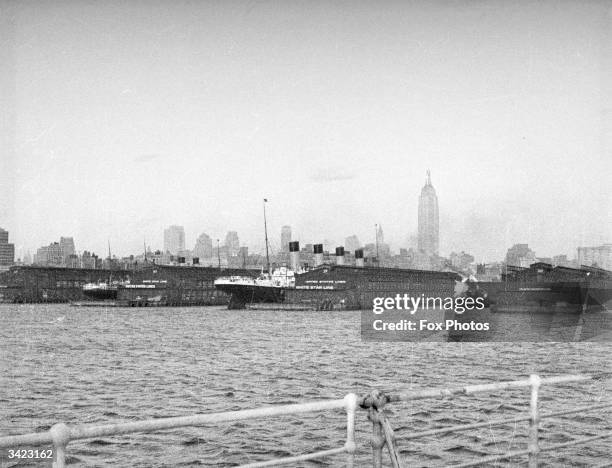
x: 268, y: 287
x: 544, y: 288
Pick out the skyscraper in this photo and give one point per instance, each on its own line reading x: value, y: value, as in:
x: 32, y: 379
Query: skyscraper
x: 174, y: 239
x: 50, y: 255
x: 520, y: 255
x: 203, y: 247
x: 600, y: 257
x: 351, y: 243
x: 285, y: 238
x: 7, y: 251
x: 67, y: 248
x: 380, y: 236
x: 232, y: 243
x: 429, y: 236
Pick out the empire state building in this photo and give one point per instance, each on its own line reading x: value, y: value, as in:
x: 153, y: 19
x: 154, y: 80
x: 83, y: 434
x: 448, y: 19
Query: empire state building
x: 429, y: 238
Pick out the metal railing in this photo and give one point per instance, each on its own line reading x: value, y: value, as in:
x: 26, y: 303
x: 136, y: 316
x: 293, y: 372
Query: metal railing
x: 383, y: 433
x: 60, y: 435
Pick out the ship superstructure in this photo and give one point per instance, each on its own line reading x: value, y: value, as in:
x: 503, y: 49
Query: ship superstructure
x: 544, y: 287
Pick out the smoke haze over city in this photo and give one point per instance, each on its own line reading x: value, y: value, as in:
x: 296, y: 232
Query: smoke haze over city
x: 124, y: 118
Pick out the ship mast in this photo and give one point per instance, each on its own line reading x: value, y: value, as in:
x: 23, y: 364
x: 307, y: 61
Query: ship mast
x: 377, y: 258
x: 110, y: 264
x: 266, y: 234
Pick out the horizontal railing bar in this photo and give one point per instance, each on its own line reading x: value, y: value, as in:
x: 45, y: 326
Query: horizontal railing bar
x: 35, y: 438
x: 297, y: 458
x: 463, y: 427
x: 470, y: 389
x: 492, y: 458
x: 497, y: 422
x: 577, y: 410
x: 89, y: 431
x: 517, y: 453
x: 575, y: 442
x: 85, y: 432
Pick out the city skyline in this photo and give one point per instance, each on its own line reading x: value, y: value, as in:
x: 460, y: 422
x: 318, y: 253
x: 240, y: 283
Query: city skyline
x: 597, y: 255
x: 121, y: 121
x: 425, y: 240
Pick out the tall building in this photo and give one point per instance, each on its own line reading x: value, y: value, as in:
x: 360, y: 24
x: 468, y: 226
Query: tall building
x: 27, y: 258
x: 561, y: 260
x: 380, y: 236
x: 203, y: 247
x: 7, y: 251
x: 351, y: 243
x: 600, y: 256
x: 50, y: 255
x: 520, y: 255
x: 174, y: 239
x: 232, y: 243
x: 88, y: 260
x: 429, y: 222
x: 67, y: 248
x: 462, y: 260
x: 285, y: 238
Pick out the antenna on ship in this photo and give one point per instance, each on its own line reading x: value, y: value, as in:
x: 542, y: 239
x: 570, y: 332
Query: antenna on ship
x: 266, y: 234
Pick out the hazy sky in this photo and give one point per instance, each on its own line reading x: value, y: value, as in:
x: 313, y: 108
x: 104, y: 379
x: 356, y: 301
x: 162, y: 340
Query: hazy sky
x: 120, y: 118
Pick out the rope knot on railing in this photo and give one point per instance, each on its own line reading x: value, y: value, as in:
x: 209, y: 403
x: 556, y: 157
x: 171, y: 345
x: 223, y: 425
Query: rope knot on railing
x: 382, y: 433
x: 376, y: 399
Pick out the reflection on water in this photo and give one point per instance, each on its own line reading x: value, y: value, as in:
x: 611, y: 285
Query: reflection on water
x: 83, y: 365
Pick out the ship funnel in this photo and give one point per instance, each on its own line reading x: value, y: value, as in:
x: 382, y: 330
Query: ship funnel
x: 294, y: 255
x: 359, y: 258
x: 318, y: 254
x: 339, y: 255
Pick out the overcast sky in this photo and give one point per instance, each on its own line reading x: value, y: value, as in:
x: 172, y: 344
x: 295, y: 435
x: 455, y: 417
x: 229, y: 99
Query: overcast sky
x: 120, y: 118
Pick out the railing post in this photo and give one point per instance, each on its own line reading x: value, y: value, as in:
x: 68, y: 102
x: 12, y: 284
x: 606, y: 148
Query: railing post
x: 350, y: 446
x: 534, y: 421
x: 378, y: 439
x: 60, y: 433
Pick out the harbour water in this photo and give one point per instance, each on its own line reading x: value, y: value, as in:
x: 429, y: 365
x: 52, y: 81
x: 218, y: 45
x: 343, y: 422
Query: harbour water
x: 92, y: 365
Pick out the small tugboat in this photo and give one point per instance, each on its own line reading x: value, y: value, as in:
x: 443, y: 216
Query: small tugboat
x: 104, y: 290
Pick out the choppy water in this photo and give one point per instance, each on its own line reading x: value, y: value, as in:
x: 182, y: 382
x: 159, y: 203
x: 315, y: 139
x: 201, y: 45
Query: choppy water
x: 86, y: 365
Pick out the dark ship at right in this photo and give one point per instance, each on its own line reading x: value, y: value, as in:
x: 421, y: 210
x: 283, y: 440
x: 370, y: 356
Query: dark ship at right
x: 542, y: 287
x: 543, y: 303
